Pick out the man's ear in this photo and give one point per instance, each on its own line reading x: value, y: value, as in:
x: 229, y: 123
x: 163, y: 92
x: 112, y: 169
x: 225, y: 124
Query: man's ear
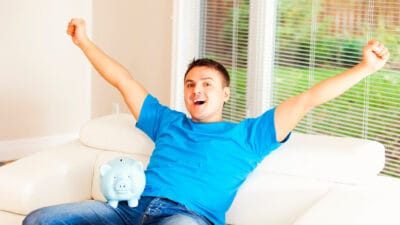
x: 227, y: 93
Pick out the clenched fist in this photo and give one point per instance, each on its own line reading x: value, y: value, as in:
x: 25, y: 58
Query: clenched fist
x: 77, y: 30
x: 375, y: 55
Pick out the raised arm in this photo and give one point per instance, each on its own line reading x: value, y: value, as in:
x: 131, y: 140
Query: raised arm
x: 113, y: 72
x: 289, y: 113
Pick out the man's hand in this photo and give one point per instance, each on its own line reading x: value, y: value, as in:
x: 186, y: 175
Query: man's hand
x: 375, y: 55
x: 77, y: 30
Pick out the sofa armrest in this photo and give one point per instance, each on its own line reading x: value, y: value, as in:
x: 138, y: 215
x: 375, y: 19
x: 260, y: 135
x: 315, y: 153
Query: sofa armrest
x: 46, y: 178
x: 337, y: 159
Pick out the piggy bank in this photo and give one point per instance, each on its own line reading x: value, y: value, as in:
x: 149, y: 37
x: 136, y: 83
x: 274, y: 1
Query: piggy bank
x: 122, y: 179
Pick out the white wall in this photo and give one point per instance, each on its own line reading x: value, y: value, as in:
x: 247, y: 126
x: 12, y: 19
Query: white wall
x: 137, y: 33
x: 45, y: 82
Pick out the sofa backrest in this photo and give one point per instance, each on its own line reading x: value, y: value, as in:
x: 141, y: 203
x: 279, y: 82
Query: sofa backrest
x: 340, y: 159
x: 117, y: 133
x: 336, y: 159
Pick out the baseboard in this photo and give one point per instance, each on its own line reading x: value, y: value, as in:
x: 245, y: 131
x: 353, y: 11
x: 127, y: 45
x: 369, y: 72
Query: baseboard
x: 15, y: 149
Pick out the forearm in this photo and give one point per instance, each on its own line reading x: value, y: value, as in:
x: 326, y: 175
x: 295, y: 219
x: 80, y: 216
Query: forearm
x: 332, y: 87
x: 113, y: 72
x: 289, y: 113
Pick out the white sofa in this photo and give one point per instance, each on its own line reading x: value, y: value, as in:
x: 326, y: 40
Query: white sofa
x: 310, y: 180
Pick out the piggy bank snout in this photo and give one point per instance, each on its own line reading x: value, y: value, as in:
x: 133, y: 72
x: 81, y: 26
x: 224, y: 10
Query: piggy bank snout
x: 122, y: 185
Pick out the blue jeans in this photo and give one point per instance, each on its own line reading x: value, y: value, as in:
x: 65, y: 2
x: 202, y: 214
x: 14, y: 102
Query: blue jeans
x: 150, y: 211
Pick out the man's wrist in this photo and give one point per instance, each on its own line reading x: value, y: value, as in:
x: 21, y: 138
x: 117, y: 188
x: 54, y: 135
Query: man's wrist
x: 85, y: 44
x: 366, y: 68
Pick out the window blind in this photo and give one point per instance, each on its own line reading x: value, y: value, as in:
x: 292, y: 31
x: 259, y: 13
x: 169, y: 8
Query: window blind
x: 224, y: 37
x: 317, y: 39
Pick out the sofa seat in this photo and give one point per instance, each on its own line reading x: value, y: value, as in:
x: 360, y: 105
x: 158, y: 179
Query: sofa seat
x: 59, y: 175
x: 11, y: 218
x: 375, y: 202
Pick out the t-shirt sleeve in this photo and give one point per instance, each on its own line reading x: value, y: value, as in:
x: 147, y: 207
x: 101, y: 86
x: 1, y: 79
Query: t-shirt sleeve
x: 261, y: 133
x: 150, y: 116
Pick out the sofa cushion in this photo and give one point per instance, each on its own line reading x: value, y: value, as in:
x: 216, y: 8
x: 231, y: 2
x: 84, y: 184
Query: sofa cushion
x: 271, y: 199
x: 10, y: 218
x: 116, y: 132
x: 338, y: 159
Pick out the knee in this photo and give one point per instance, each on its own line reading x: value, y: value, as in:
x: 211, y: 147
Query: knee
x: 39, y: 217
x: 34, y: 217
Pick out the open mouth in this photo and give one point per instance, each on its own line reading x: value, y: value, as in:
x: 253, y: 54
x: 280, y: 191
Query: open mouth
x: 199, y: 102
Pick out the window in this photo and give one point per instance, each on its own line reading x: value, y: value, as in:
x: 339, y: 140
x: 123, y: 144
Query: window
x: 316, y: 39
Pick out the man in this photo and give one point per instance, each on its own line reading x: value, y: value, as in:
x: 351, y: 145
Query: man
x: 198, y: 163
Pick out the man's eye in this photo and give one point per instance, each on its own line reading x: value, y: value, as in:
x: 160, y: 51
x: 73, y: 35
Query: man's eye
x: 189, y: 85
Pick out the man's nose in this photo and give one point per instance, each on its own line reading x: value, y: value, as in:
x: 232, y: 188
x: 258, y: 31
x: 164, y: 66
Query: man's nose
x: 197, y: 89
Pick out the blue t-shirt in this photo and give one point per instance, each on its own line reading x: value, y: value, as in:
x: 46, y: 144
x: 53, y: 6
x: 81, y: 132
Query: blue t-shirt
x: 202, y: 165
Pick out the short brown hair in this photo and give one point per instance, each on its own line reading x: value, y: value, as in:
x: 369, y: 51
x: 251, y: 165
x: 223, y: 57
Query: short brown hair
x: 210, y: 64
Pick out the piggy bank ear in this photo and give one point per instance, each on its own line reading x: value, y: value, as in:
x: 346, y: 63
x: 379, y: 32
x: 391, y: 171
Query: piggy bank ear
x: 104, y: 168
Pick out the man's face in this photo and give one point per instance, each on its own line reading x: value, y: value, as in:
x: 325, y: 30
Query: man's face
x: 205, y: 94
